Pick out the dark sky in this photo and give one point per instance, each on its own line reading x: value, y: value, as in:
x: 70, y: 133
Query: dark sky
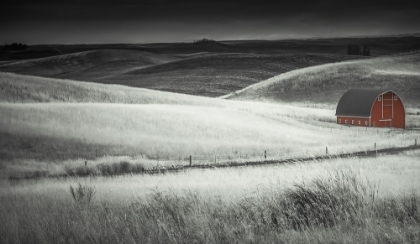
x: 143, y: 21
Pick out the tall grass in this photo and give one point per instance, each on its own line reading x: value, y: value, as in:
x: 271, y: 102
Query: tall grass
x: 82, y: 194
x: 341, y: 208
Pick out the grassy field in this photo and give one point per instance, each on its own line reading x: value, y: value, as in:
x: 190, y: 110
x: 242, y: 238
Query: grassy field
x: 326, y: 83
x: 346, y: 200
x: 53, y: 125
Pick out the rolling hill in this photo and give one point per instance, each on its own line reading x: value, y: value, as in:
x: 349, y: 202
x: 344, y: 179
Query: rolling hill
x: 51, y: 123
x: 214, y: 75
x: 87, y: 64
x: 326, y: 83
x: 202, y: 74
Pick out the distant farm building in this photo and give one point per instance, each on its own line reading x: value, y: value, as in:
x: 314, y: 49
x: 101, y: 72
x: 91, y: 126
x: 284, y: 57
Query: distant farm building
x: 371, y: 108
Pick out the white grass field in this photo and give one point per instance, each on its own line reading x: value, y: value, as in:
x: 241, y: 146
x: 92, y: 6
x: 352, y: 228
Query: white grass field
x: 161, y: 129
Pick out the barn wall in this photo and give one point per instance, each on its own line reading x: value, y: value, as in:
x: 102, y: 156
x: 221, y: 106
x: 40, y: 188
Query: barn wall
x: 355, y: 121
x: 386, y: 116
x: 399, y: 114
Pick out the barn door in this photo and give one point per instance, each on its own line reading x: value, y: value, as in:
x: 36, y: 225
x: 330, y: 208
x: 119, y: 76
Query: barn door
x: 387, y: 109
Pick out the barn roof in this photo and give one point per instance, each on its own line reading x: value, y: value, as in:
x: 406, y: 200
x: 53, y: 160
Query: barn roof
x: 358, y: 102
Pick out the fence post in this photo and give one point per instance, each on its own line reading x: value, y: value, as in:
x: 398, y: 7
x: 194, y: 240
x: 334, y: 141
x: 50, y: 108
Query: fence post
x: 415, y: 142
x: 215, y: 159
x: 376, y: 151
x: 190, y: 160
x: 85, y: 162
x: 265, y: 154
x: 326, y: 150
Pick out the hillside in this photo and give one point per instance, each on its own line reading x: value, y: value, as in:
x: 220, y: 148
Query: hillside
x: 214, y: 75
x: 50, y: 123
x: 87, y: 64
x: 326, y: 83
x: 202, y: 74
x: 30, y: 89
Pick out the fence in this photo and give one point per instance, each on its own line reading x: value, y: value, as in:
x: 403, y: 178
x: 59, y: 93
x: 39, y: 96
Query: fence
x: 265, y: 155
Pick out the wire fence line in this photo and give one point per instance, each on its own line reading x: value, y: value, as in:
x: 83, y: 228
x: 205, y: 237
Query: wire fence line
x: 367, y: 153
x: 395, y: 141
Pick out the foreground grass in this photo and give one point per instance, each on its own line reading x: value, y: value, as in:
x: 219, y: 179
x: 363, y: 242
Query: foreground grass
x: 342, y: 207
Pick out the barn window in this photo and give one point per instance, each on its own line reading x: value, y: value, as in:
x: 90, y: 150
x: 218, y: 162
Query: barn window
x: 366, y: 123
x: 346, y: 122
x: 339, y: 121
x: 352, y: 121
x: 360, y: 122
x: 395, y: 98
x: 379, y: 98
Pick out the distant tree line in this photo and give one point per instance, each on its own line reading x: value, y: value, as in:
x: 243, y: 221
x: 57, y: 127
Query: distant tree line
x: 356, y: 50
x: 204, y: 40
x: 15, y: 46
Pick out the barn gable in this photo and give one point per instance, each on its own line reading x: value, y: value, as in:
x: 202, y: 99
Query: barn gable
x: 357, y: 102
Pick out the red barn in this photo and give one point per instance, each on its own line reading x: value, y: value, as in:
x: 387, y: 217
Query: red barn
x: 372, y: 108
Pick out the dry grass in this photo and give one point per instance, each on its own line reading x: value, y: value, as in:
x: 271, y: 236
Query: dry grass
x: 267, y: 206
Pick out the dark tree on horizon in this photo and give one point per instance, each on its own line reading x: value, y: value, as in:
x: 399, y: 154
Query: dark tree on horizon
x: 15, y: 46
x: 356, y: 50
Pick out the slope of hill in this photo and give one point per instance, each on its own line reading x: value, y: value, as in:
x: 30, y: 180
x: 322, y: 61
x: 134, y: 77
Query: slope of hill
x: 216, y: 74
x: 50, y: 123
x: 326, y: 83
x: 30, y: 89
x: 202, y: 74
x: 90, y: 63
